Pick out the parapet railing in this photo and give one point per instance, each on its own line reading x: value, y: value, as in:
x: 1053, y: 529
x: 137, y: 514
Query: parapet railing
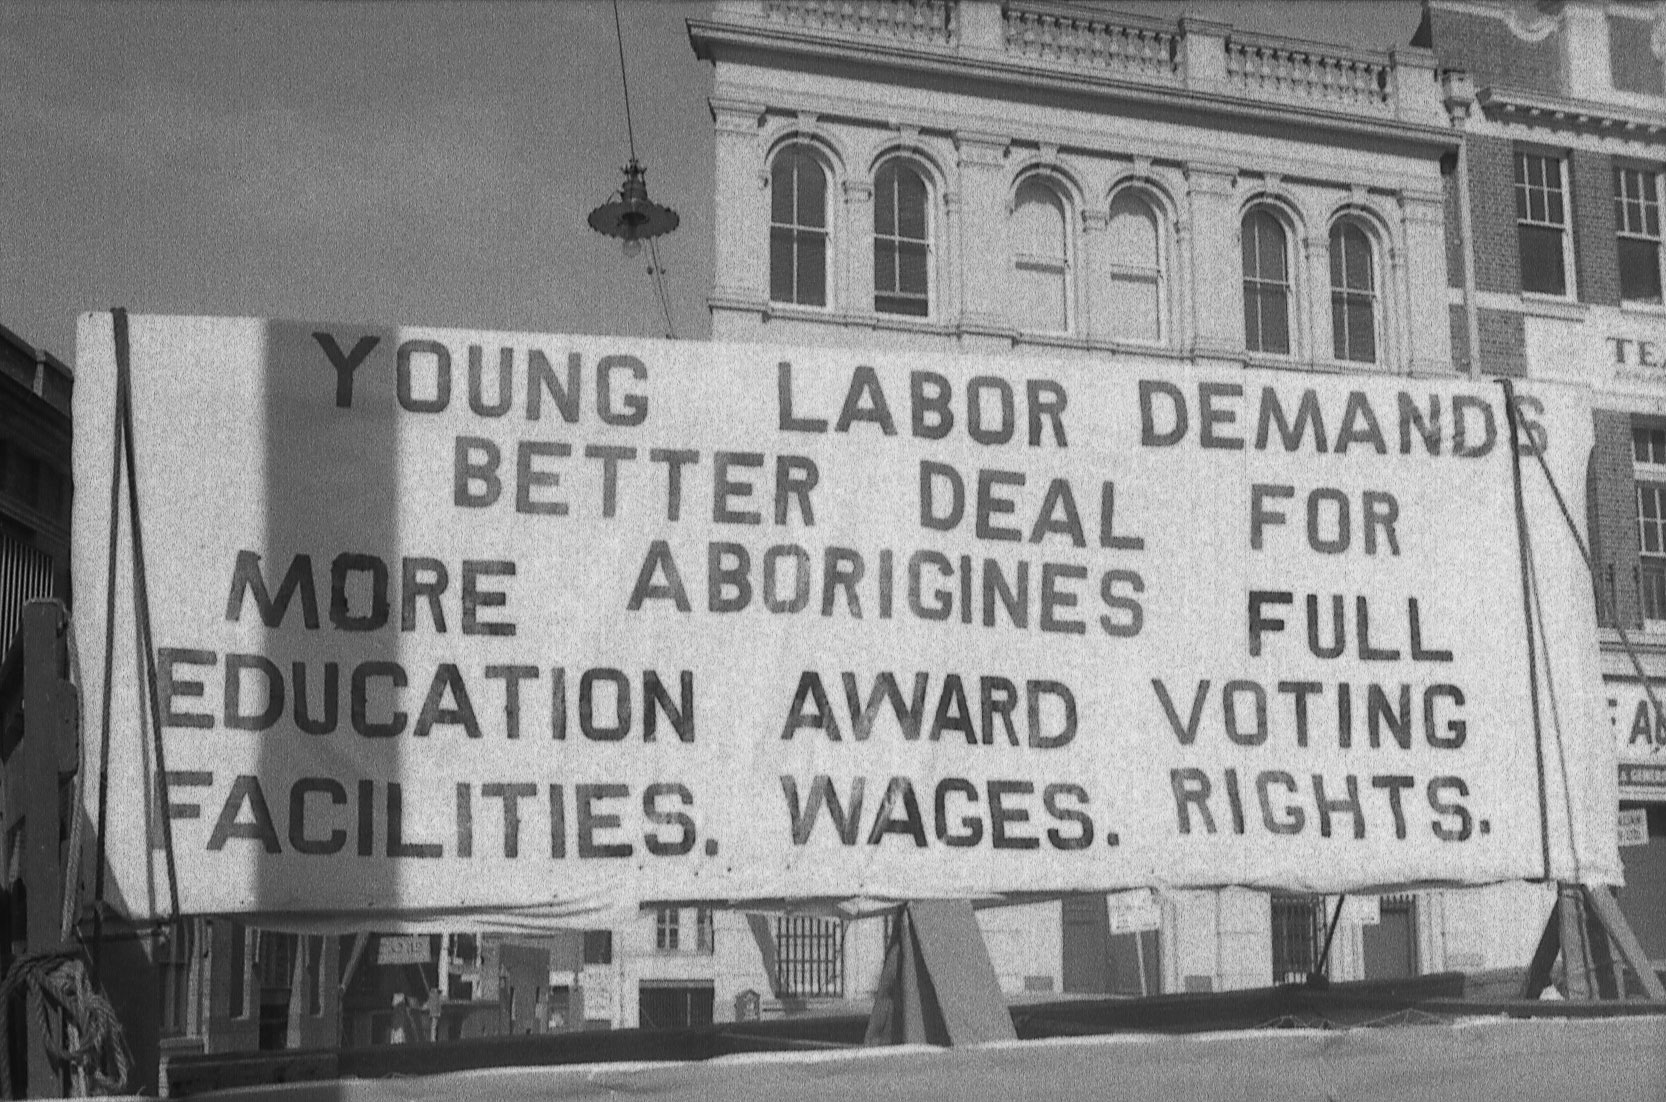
x: 918, y: 21
x: 1073, y: 38
x: 1258, y: 65
x: 1077, y: 39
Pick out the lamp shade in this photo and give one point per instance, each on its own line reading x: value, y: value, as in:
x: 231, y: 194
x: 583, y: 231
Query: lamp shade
x: 633, y: 216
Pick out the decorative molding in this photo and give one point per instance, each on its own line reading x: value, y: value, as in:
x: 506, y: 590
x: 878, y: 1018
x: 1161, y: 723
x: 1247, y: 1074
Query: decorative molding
x: 975, y: 148
x: 1212, y: 179
x: 734, y: 116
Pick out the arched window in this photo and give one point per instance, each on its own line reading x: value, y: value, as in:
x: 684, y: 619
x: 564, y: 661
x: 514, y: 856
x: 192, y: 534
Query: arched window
x: 901, y: 241
x: 1040, y: 259
x: 1353, y: 293
x: 798, y: 228
x: 1137, y: 257
x: 1266, y: 283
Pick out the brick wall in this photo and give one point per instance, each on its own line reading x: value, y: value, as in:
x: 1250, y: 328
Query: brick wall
x: 1596, y: 258
x: 1488, y: 50
x: 1460, y: 338
x: 1503, y: 342
x: 1492, y: 200
x: 1613, y: 498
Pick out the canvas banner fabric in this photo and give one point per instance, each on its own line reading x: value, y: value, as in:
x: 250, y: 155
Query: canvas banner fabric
x: 451, y: 622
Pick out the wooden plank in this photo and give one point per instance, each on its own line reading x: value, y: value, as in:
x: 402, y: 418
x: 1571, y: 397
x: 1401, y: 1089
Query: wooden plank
x: 1608, y: 912
x: 1605, y: 970
x: 960, y: 975
x: 1576, y: 962
x: 1550, y: 944
x: 37, y: 758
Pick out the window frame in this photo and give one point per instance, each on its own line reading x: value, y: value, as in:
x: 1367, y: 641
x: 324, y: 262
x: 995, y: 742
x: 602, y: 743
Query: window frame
x: 1648, y: 469
x: 1342, y: 296
x: 1158, y: 273
x: 810, y: 956
x: 1062, y: 266
x: 1523, y: 189
x: 897, y: 241
x: 667, y: 929
x: 1261, y: 285
x: 1646, y: 207
x: 796, y: 231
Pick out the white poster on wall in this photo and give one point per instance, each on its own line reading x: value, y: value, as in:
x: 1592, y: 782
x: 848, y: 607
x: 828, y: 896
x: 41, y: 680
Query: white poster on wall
x: 454, y: 622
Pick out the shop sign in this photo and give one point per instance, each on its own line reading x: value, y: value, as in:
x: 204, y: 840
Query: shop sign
x: 1639, y: 727
x: 1639, y: 775
x: 1362, y: 910
x: 1634, y: 826
x: 1621, y: 353
x: 456, y: 623
x: 403, y: 949
x: 1132, y: 912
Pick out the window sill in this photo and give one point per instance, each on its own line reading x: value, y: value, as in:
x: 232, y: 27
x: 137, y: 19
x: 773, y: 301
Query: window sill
x: 1645, y: 640
x: 1275, y: 362
x: 1553, y: 306
x: 1644, y: 309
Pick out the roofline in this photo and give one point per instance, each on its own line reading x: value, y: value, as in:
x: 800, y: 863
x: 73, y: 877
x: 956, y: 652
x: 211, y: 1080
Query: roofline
x: 711, y: 39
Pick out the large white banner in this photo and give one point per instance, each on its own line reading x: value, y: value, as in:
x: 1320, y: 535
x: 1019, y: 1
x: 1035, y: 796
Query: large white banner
x: 503, y: 622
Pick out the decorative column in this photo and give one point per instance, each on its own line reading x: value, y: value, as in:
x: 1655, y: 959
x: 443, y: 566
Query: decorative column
x: 1094, y: 285
x: 741, y: 214
x: 856, y: 250
x: 983, y: 232
x: 1216, y: 266
x: 1311, y: 336
x: 946, y: 268
x: 1428, y: 348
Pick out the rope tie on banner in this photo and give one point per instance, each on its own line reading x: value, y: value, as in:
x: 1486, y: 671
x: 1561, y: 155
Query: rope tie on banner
x: 58, y: 984
x: 1524, y: 553
x: 141, y: 599
x: 123, y: 449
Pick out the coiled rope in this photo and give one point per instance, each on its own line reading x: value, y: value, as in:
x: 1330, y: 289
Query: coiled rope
x: 57, y: 988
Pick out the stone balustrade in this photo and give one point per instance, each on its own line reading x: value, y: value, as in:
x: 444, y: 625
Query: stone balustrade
x: 1329, y: 76
x: 1074, y: 39
x: 1201, y: 56
x: 929, y: 22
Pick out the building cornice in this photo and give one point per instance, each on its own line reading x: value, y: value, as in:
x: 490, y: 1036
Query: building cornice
x: 1578, y: 116
x: 756, y: 41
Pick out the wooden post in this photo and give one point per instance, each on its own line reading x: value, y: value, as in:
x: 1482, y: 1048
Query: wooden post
x: 1587, y: 927
x: 42, y: 871
x: 1603, y: 905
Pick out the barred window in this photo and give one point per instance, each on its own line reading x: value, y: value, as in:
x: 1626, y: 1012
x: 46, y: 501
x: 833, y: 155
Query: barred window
x: 1298, y: 929
x: 1542, y: 223
x: 1637, y: 222
x: 810, y: 956
x: 901, y: 241
x: 798, y: 228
